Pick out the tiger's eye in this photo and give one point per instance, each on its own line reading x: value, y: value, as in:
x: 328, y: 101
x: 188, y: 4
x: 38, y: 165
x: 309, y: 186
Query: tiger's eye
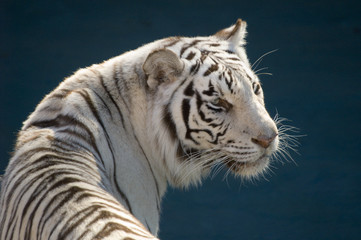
x: 216, y: 101
x: 219, y: 102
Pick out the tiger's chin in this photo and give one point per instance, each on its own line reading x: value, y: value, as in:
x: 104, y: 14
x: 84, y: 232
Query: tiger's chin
x: 248, y: 169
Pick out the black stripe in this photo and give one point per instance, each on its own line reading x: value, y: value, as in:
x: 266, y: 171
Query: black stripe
x: 60, y: 219
x: 229, y: 84
x: 50, y: 178
x: 45, y: 162
x: 41, y: 188
x: 70, y: 194
x: 58, y: 121
x: 210, y: 91
x: 256, y: 87
x: 185, y: 114
x: 189, y: 90
x: 195, y: 67
x: 49, y: 109
x: 203, y: 117
x: 147, y: 225
x: 66, y: 230
x: 119, y: 79
x: 81, y: 166
x: 81, y: 146
x: 12, y: 232
x: 106, y: 214
x: 35, y: 136
x: 190, y: 56
x: 83, y: 234
x: 151, y: 169
x: 212, y: 68
x: 200, y: 112
x: 105, y: 105
x: 88, y: 100
x: 173, y: 41
x: 220, y: 134
x: 91, y: 142
x: 113, y: 101
x: 70, y: 152
x: 111, y: 201
x: 60, y: 93
x: 204, y: 55
x: 214, y: 125
x: 110, y: 227
x: 169, y: 123
x: 17, y: 183
x: 66, y: 120
x: 188, y: 46
x: 155, y: 180
x: 98, y: 197
x: 53, y: 156
x: 45, y: 123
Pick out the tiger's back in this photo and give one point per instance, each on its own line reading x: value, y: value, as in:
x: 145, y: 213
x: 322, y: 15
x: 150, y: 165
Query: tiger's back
x: 95, y: 157
x: 56, y: 185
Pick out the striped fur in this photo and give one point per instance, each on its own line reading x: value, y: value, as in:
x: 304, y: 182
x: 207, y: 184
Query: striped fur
x: 95, y: 157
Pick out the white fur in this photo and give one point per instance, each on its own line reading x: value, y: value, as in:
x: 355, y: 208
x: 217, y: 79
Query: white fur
x: 146, y: 155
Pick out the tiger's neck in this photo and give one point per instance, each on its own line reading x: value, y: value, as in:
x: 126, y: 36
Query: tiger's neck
x: 136, y: 178
x: 110, y: 103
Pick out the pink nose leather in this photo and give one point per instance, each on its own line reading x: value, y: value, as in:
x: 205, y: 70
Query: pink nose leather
x: 264, y: 141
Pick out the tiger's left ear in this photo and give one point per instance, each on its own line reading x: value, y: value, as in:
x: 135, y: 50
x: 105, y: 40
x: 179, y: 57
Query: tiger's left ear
x: 162, y: 66
x: 235, y: 34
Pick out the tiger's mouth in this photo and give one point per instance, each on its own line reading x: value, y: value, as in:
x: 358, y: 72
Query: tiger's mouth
x: 238, y: 165
x: 248, y: 168
x: 187, y: 153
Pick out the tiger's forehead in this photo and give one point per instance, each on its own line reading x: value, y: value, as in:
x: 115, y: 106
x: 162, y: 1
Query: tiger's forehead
x: 216, y: 62
x: 210, y: 50
x: 211, y: 59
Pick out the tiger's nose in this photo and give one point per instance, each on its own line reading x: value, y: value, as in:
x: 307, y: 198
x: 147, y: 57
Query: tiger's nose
x: 264, y: 141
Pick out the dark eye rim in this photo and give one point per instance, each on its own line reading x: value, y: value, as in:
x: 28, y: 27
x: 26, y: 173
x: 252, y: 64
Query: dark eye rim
x: 222, y: 103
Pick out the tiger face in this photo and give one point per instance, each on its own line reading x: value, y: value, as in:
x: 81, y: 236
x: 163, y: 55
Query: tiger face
x: 213, y: 106
x: 223, y: 111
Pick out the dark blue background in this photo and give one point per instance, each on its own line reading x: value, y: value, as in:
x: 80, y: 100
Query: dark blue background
x: 316, y: 83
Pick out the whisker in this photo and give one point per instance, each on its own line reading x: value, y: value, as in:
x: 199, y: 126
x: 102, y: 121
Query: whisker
x: 266, y: 73
x: 219, y: 165
x: 259, y: 60
x: 229, y: 169
x: 288, y: 141
x: 264, y: 68
x: 197, y: 161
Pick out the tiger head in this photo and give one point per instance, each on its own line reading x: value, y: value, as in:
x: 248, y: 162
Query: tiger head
x: 207, y: 107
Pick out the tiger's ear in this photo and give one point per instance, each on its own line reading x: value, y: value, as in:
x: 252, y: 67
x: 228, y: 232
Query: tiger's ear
x: 235, y: 33
x: 162, y: 66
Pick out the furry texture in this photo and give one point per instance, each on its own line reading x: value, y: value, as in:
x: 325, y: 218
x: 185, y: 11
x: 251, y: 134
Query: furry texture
x: 95, y: 157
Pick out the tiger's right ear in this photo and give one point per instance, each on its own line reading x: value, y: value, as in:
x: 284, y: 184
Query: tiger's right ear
x: 236, y: 33
x: 162, y: 66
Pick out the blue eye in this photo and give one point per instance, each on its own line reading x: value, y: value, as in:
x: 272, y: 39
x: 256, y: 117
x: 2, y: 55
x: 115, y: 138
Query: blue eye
x: 221, y: 103
x: 215, y: 101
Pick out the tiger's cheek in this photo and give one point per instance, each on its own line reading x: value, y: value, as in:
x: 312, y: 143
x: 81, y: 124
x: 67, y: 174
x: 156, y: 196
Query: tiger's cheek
x: 203, y: 138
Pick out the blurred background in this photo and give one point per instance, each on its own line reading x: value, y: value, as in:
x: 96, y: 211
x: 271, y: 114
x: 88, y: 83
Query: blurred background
x: 316, y: 83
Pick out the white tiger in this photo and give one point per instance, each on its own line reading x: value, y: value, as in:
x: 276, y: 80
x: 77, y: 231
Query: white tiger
x: 95, y: 157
